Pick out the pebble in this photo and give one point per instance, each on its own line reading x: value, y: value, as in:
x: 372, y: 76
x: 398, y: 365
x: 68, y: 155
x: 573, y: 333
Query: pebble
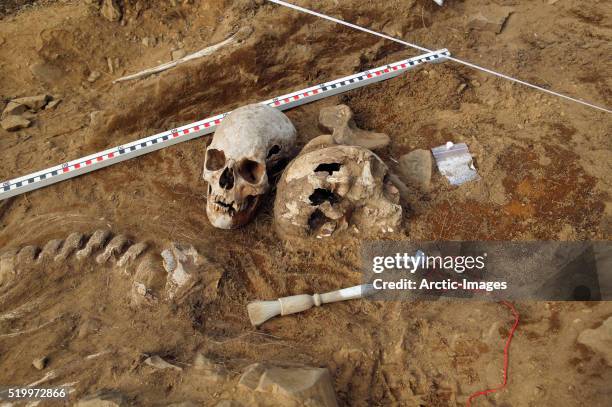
x: 40, y: 363
x: 52, y: 104
x: 490, y: 19
x: 415, y: 169
x: 14, y: 108
x: 299, y: 384
x: 34, y: 103
x: 94, y: 76
x: 14, y: 123
x: 159, y: 363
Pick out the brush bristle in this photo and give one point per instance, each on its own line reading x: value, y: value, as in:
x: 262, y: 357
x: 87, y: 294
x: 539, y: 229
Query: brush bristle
x: 261, y: 311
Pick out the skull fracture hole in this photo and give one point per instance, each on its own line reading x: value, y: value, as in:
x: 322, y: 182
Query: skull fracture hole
x: 274, y: 150
x: 321, y: 195
x: 316, y: 220
x: 328, y: 167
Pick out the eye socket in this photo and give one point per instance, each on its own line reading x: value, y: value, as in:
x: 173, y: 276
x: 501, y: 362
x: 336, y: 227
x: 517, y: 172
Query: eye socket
x: 215, y: 159
x: 274, y: 150
x: 251, y: 171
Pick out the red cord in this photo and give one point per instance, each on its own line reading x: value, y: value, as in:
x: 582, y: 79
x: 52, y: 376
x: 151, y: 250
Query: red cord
x: 506, y: 357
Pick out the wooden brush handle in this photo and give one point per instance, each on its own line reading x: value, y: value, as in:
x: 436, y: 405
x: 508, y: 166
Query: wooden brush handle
x: 297, y: 303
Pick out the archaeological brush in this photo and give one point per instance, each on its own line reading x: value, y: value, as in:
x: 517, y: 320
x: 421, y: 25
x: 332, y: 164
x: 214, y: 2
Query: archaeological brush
x: 261, y: 311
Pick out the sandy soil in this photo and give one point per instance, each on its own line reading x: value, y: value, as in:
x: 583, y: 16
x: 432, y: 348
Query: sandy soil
x: 545, y: 167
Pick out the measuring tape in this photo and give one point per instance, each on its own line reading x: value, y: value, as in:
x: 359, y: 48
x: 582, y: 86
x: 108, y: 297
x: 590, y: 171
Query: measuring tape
x: 203, y: 127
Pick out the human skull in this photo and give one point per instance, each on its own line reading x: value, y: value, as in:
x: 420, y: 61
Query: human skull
x: 249, y: 142
x: 325, y: 191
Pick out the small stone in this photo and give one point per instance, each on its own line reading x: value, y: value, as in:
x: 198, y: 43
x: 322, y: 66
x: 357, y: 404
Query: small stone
x: 111, y: 10
x: 304, y: 385
x: 599, y: 340
x: 40, y: 363
x: 178, y: 54
x: 14, y: 123
x: 415, y: 169
x: 491, y: 19
x: 159, y: 363
x: 34, y: 103
x: 94, y: 76
x: 52, y: 104
x: 14, y: 109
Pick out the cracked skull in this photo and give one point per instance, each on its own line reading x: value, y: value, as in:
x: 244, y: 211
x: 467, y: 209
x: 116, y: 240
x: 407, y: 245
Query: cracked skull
x: 249, y: 143
x: 328, y: 190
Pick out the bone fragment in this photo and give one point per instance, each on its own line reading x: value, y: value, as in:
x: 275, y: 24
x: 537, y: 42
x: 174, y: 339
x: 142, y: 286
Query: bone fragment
x: 113, y: 249
x: 242, y: 34
x: 72, y: 243
x: 50, y: 250
x: 131, y: 254
x: 96, y: 241
x: 339, y: 119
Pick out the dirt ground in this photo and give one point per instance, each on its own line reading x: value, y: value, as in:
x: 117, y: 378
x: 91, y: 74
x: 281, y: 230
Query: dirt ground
x: 545, y: 166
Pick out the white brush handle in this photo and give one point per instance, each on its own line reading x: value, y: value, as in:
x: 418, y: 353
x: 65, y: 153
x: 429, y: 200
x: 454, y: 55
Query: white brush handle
x: 303, y: 302
x: 350, y: 293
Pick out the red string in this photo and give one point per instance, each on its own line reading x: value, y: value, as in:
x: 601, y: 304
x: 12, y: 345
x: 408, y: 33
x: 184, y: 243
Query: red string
x: 506, y: 357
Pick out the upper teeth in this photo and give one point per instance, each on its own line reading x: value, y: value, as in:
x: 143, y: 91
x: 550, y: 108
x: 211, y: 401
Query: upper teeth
x: 220, y: 204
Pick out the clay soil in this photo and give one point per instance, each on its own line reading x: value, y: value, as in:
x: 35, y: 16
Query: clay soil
x: 545, y: 166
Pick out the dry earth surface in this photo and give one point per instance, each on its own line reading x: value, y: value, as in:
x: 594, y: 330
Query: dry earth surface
x: 545, y: 167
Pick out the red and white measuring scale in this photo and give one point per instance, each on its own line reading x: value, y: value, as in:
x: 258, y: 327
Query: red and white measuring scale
x: 200, y: 128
